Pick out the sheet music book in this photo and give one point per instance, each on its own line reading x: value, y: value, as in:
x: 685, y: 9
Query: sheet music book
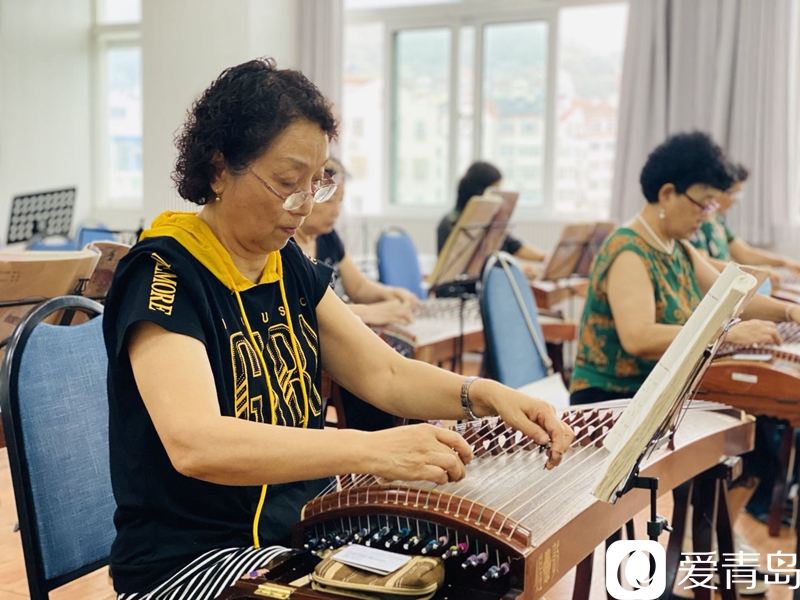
x: 103, y: 274
x: 495, y: 234
x: 464, y: 240
x: 657, y: 403
x: 40, y: 275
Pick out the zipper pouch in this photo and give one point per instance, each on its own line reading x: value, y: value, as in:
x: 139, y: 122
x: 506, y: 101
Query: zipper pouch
x: 419, y: 578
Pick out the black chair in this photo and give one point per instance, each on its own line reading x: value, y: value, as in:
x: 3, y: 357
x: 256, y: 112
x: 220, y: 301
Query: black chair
x: 55, y: 415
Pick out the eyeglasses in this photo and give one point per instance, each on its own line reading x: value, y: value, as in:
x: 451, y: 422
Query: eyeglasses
x: 705, y: 209
x: 321, y: 190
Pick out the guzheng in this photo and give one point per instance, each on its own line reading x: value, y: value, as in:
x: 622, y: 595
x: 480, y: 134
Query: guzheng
x: 441, y: 324
x: 762, y: 380
x: 509, y: 529
x: 789, y: 287
x: 434, y: 335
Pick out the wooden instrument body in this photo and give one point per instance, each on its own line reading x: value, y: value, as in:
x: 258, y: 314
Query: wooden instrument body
x: 566, y: 526
x: 769, y: 387
x: 550, y: 293
x: 759, y: 388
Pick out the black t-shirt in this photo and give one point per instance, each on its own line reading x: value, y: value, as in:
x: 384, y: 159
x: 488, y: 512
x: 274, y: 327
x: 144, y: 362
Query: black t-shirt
x: 165, y: 519
x: 330, y: 251
x: 510, y: 243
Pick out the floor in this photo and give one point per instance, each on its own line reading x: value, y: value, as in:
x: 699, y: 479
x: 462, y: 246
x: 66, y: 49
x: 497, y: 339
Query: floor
x: 96, y: 586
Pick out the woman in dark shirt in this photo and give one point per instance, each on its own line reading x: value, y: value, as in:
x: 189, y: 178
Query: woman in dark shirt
x: 217, y: 329
x: 479, y: 177
x: 375, y: 303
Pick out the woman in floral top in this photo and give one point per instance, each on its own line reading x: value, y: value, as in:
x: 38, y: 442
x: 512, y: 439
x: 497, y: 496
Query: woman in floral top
x: 646, y: 280
x: 715, y: 239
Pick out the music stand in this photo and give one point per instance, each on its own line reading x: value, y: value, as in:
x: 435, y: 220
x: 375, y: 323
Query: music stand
x: 495, y: 232
x: 476, y: 235
x: 40, y: 214
x: 655, y: 411
x: 576, y: 249
x: 602, y: 229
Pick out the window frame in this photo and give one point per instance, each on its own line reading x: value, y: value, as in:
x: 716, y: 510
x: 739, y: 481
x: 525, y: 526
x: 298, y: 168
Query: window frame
x: 477, y: 13
x: 106, y: 37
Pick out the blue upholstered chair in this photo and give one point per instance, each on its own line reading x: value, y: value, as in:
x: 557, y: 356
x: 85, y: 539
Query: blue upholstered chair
x: 398, y: 264
x: 514, y: 356
x: 98, y: 233
x: 55, y: 416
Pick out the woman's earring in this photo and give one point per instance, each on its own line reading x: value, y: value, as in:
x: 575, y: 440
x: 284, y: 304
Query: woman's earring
x: 661, y: 215
x: 217, y: 199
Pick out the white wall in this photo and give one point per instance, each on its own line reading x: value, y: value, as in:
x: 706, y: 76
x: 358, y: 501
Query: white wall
x: 186, y: 45
x: 45, y: 128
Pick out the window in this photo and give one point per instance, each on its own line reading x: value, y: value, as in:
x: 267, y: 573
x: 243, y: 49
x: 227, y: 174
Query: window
x: 590, y: 47
x: 118, y: 144
x: 119, y: 11
x: 464, y: 82
x: 362, y: 137
x: 421, y: 99
x: 514, y: 74
x: 466, y: 98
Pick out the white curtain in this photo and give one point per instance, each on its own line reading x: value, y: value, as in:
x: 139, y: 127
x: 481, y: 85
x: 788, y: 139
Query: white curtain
x: 720, y: 66
x: 320, y: 37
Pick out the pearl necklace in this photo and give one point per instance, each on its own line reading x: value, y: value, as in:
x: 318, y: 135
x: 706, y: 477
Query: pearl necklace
x: 668, y: 248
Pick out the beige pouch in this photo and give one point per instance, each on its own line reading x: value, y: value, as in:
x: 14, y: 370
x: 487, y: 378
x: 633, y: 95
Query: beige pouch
x: 419, y: 578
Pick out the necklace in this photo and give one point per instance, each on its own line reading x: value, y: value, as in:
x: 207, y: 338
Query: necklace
x: 668, y: 248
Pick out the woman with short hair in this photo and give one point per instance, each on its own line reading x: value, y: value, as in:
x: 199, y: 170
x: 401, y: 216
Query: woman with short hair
x: 217, y: 328
x: 647, y: 280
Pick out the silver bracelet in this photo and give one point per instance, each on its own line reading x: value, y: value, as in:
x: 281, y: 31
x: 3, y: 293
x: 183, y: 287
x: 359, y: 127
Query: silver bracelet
x: 466, y: 405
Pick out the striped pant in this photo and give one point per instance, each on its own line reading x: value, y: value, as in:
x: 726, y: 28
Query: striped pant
x: 208, y: 575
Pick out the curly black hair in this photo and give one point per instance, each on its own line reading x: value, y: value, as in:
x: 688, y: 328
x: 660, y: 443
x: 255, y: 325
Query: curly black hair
x: 685, y: 159
x: 739, y: 172
x: 241, y: 114
x: 478, y: 177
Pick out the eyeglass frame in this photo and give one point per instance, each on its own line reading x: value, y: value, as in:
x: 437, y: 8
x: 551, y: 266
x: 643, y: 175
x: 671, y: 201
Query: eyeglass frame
x: 329, y: 187
x: 706, y: 209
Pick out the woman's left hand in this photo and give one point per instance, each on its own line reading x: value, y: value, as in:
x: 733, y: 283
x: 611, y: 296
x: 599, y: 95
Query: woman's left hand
x: 535, y: 418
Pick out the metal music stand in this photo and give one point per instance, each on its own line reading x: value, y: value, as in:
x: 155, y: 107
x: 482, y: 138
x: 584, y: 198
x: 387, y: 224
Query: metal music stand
x: 477, y: 234
x: 39, y: 214
x: 576, y: 249
x: 590, y: 248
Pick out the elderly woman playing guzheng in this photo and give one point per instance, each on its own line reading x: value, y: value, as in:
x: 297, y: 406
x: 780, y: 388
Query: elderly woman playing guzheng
x: 646, y: 280
x: 217, y: 328
x: 375, y: 303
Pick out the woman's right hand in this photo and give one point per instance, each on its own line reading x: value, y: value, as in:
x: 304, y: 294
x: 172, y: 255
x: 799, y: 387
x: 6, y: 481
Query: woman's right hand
x: 754, y: 331
x: 388, y: 311
x: 417, y: 453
